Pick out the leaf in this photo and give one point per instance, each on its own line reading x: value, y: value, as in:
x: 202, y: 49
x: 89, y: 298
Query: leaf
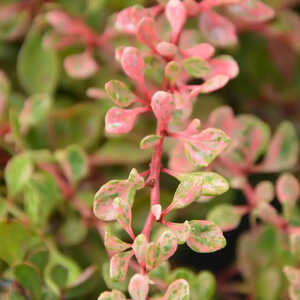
x: 163, y: 105
x: 294, y: 241
x: 251, y: 11
x: 176, y: 15
x: 166, y: 49
x: 41, y: 196
x: 80, y: 66
x: 133, y: 64
x: 203, y: 51
x: 122, y: 208
x: 129, y: 18
x: 196, y: 67
x: 147, y: 33
x: 264, y: 191
x: 177, y: 290
x: 136, y: 179
x: 120, y: 121
x: 206, y: 285
x: 119, y: 265
x: 37, y: 66
x: 287, y: 189
x: 139, y: 246
x: 205, y: 237
x: 113, y: 244
x: 225, y: 216
x: 104, y: 198
x: 161, y: 250
x: 29, y: 278
x: 114, y: 295
x: 16, y: 240
x: 223, y: 65
x: 217, y: 29
x: 201, y: 149
x: 283, y: 150
x: 18, y: 172
x: 138, y: 287
x: 149, y: 141
x: 119, y: 93
x: 112, y: 284
x: 74, y: 163
x: 172, y: 71
x: 36, y: 111
x: 181, y: 230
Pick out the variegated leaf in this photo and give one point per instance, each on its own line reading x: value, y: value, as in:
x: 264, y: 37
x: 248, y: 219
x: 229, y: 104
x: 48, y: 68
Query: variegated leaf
x: 181, y: 230
x: 287, y: 189
x: 204, y: 51
x: 119, y: 265
x: 136, y: 179
x: 264, y: 191
x: 113, y: 295
x: 119, y: 93
x: 149, y: 141
x: 147, y: 33
x: 196, y: 67
x: 178, y: 290
x: 205, y: 237
x: 139, y: 246
x: 138, y: 287
x: 163, y: 105
x: 113, y: 244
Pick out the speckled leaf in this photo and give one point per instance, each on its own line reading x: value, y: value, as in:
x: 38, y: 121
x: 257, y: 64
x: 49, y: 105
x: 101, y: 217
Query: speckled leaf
x: 113, y: 244
x: 251, y: 11
x: 173, y: 71
x: 120, y: 121
x: 147, y: 33
x: 225, y: 216
x: 119, y: 93
x: 264, y: 191
x: 287, y: 189
x: 80, y: 66
x: 196, y: 67
x: 163, y: 105
x: 149, y: 141
x: 103, y: 202
x: 217, y: 29
x: 178, y: 290
x: 138, y: 287
x: 205, y: 237
x: 283, y: 150
x: 119, y: 265
x: 201, y: 149
x: 176, y: 15
x: 113, y: 295
x: 133, y: 64
x: 181, y: 230
x: 139, y: 246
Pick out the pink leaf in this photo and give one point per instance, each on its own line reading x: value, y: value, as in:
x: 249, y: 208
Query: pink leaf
x: 139, y: 246
x: 147, y: 33
x: 60, y: 21
x: 129, y: 18
x: 251, y: 11
x: 287, y: 189
x: 264, y: 191
x: 138, y: 287
x: 163, y: 105
x: 177, y: 290
x: 80, y: 66
x: 176, y: 15
x: 167, y: 49
x: 113, y: 244
x: 201, y: 149
x: 193, y: 128
x: 181, y: 230
x: 205, y: 237
x: 203, y: 51
x: 223, y: 65
x: 133, y: 64
x: 119, y: 265
x: 210, y: 85
x: 120, y: 121
x: 208, y: 4
x: 103, y: 203
x: 217, y: 29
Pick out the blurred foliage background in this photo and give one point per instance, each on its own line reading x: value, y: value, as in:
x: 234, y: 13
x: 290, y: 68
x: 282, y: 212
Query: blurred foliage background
x: 48, y: 228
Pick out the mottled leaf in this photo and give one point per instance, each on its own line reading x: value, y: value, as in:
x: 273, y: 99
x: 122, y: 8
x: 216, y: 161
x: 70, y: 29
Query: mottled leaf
x: 163, y: 105
x: 147, y: 33
x: 113, y: 295
x: 287, y: 189
x: 119, y: 93
x: 113, y: 244
x: 173, y: 71
x: 138, y: 287
x: 139, y: 246
x: 181, y: 230
x: 177, y: 290
x: 196, y: 67
x: 119, y: 265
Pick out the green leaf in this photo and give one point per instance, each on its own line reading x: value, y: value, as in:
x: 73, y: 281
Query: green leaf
x: 59, y: 275
x: 178, y: 290
x: 119, y: 93
x: 18, y: 172
x: 149, y: 141
x: 74, y: 163
x: 41, y: 195
x: 29, y: 278
x: 206, y: 286
x: 172, y: 71
x: 205, y: 237
x: 16, y: 296
x: 37, y: 64
x: 225, y: 216
x: 196, y: 67
x: 40, y: 259
x: 112, y: 284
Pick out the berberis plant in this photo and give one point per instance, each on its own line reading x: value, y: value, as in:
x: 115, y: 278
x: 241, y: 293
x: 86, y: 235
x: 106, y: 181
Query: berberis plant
x: 193, y: 182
